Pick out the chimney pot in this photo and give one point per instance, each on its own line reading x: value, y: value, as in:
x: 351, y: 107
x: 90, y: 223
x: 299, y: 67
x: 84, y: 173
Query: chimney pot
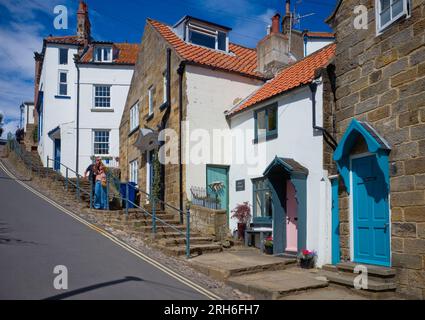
x: 288, y: 7
x: 275, y: 23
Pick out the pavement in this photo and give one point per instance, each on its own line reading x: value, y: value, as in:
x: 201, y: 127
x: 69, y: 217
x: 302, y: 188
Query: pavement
x: 36, y: 237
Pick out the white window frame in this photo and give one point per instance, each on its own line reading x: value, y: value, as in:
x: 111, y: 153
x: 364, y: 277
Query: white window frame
x: 103, y: 50
x: 66, y: 83
x: 208, y: 32
x: 150, y: 101
x: 59, y: 56
x: 381, y: 28
x: 133, y: 167
x: 134, y: 116
x: 94, y: 96
x: 165, y: 85
x: 94, y: 142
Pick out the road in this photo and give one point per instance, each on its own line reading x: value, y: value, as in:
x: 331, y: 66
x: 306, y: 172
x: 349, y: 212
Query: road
x: 35, y: 237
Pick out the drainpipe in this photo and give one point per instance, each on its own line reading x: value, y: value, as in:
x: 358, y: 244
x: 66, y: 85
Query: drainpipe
x: 326, y: 135
x: 77, y: 153
x: 180, y: 71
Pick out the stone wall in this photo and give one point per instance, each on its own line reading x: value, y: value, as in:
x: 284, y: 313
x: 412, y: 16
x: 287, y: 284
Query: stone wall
x: 151, y: 64
x: 209, y: 222
x: 381, y: 79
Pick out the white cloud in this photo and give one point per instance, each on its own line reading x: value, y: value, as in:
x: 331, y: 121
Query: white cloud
x: 10, y: 126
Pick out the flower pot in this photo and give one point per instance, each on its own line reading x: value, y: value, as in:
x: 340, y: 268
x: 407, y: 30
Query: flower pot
x: 241, y: 230
x: 268, y: 250
x: 307, y: 263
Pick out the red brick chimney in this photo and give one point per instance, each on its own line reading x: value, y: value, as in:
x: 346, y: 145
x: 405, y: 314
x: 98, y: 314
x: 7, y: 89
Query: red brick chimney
x: 83, y: 22
x: 275, y: 23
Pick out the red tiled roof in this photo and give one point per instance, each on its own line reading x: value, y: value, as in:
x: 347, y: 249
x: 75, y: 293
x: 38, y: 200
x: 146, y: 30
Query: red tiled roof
x: 127, y: 53
x: 298, y: 74
x: 75, y: 40
x: 240, y: 60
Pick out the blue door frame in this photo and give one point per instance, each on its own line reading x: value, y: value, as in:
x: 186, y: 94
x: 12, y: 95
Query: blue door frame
x: 219, y: 173
x: 371, y: 229
x: 57, y: 155
x: 336, y: 256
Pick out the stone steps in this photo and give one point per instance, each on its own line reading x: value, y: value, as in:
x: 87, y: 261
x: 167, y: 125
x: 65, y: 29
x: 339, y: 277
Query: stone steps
x: 182, y: 241
x: 195, y: 249
x: 379, y: 279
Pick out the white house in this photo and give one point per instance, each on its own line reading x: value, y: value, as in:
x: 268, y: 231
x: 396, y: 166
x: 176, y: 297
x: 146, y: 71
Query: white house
x: 288, y: 188
x: 81, y: 83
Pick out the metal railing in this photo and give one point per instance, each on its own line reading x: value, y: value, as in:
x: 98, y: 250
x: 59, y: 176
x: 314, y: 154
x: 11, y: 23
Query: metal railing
x: 200, y: 197
x: 111, y: 179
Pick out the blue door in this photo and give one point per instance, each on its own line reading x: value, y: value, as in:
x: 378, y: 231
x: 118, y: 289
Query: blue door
x: 370, y: 213
x: 57, y: 154
x: 218, y: 174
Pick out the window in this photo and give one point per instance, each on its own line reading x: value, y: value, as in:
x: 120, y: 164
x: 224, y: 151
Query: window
x: 388, y: 11
x: 103, y: 54
x: 165, y: 85
x: 134, y: 177
x: 63, y: 56
x: 150, y: 100
x: 101, y: 142
x: 63, y: 83
x: 102, y: 96
x: 266, y: 122
x: 207, y: 37
x: 263, y: 204
x: 134, y: 117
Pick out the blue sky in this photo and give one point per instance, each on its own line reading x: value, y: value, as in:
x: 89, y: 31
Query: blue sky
x: 24, y: 23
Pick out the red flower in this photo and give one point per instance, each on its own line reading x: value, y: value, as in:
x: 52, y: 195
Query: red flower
x: 306, y: 252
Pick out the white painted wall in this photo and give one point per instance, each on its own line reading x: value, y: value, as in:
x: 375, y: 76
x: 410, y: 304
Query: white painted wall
x: 57, y: 111
x: 313, y: 45
x: 62, y: 112
x: 297, y: 140
x: 28, y: 115
x: 209, y: 94
x: 119, y: 78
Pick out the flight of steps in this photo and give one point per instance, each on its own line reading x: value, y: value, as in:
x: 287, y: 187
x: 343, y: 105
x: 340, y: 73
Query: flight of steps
x: 166, y: 239
x: 381, y: 280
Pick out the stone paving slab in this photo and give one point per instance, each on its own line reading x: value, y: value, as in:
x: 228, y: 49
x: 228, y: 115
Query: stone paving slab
x: 276, y: 284
x: 329, y: 293
x: 238, y: 262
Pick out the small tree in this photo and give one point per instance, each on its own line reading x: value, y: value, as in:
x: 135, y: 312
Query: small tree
x: 156, y: 187
x: 242, y: 213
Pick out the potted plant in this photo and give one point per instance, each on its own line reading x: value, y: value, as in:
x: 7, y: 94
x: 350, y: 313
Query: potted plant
x: 268, y: 245
x: 307, y: 259
x: 242, y: 212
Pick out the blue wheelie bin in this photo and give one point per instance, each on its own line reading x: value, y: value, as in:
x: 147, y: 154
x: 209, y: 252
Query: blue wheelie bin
x: 132, y: 192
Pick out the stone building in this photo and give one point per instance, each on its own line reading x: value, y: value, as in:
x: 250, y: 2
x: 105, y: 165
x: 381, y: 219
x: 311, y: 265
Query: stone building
x: 380, y: 125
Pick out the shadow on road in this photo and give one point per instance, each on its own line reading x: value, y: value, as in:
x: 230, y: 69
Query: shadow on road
x: 4, y: 239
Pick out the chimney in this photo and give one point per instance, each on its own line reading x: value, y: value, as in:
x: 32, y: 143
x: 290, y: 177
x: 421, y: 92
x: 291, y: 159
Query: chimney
x: 83, y: 23
x: 275, y: 23
x: 286, y: 21
x: 273, y: 50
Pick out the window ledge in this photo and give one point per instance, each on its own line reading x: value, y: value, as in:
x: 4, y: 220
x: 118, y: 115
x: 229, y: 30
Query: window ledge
x: 164, y: 106
x: 267, y: 138
x: 149, y: 117
x: 102, y: 110
x: 134, y: 130
x: 62, y: 97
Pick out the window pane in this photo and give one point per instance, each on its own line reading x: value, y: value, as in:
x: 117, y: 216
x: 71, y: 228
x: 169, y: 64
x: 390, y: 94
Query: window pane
x: 268, y: 207
x: 272, y: 116
x: 202, y: 39
x: 221, y: 41
x: 63, y: 77
x: 63, y: 56
x: 63, y: 89
x: 385, y: 4
x: 258, y: 211
x: 397, y: 7
x: 261, y: 123
x: 106, y: 54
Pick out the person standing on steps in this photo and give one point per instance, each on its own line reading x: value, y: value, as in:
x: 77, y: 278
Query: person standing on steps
x: 91, y: 171
x: 100, y: 196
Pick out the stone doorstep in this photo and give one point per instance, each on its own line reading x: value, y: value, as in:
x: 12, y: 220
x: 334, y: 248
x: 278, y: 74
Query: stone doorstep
x: 273, y: 285
x: 376, y: 271
x: 232, y: 263
x: 181, y: 241
x: 347, y: 279
x: 197, y: 249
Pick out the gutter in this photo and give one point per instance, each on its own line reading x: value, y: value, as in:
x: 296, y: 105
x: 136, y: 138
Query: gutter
x: 326, y: 135
x: 77, y: 151
x: 180, y: 72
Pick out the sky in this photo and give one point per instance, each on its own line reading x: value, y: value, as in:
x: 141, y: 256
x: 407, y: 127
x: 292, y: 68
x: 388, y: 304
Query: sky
x: 24, y: 24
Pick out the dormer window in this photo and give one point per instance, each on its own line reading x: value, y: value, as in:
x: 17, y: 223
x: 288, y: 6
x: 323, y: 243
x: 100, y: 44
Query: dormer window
x: 207, y: 37
x: 103, y: 54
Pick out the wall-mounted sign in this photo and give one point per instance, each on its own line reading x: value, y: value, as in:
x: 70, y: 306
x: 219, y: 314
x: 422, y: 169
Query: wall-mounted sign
x: 240, y: 185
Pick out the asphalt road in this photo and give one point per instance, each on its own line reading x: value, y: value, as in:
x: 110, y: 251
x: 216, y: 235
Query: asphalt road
x: 35, y: 237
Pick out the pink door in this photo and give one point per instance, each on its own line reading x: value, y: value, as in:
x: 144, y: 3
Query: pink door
x: 291, y: 218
